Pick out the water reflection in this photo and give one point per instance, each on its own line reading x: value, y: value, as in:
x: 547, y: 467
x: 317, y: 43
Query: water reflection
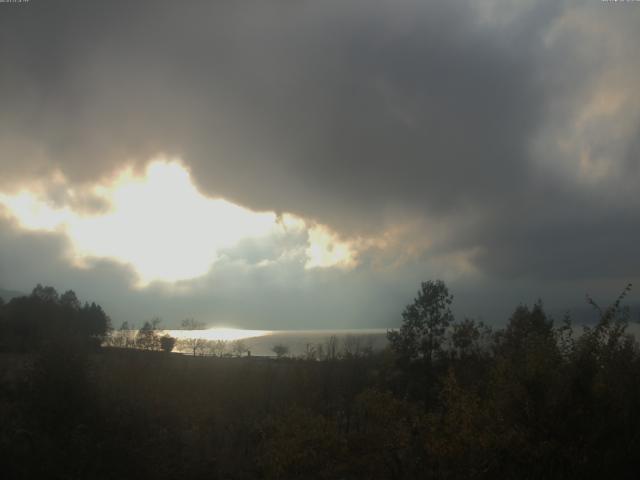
x: 298, y: 342
x: 220, y: 333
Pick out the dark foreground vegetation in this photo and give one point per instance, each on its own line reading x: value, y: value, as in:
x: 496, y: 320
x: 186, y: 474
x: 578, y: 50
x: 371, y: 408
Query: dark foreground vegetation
x: 447, y: 399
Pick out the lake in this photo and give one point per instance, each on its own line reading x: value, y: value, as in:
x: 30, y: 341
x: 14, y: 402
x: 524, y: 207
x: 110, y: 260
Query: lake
x: 298, y: 342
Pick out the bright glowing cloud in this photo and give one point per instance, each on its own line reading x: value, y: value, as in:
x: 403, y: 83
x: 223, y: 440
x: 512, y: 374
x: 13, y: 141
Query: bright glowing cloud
x: 326, y: 250
x: 160, y: 224
x: 33, y: 213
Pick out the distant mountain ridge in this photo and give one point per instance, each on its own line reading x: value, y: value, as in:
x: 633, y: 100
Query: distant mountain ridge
x: 7, y: 295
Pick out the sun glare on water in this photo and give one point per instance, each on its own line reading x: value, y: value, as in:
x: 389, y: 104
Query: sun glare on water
x: 220, y: 333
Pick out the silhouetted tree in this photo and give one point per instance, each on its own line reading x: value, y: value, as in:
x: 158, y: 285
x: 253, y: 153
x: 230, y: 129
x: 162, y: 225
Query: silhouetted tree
x: 215, y: 348
x: 607, y: 349
x: 219, y: 346
x: 147, y: 337
x: 43, y: 317
x: 280, y: 350
x: 354, y: 346
x: 46, y: 294
x: 94, y: 322
x: 331, y: 347
x: 311, y: 352
x: 193, y: 344
x: 528, y: 330
x: 70, y: 300
x: 192, y: 324
x: 239, y: 348
x: 424, y: 324
x: 122, y: 337
x: 470, y: 337
x: 167, y: 342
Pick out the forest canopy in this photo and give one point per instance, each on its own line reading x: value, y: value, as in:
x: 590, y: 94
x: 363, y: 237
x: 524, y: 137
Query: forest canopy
x: 30, y: 322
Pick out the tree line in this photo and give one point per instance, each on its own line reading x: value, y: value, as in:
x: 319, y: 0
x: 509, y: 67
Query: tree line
x: 44, y: 318
x: 449, y: 398
x: 152, y: 337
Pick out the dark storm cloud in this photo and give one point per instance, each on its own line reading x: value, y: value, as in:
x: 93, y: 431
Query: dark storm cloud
x: 577, y: 240
x: 495, y: 122
x: 307, y: 106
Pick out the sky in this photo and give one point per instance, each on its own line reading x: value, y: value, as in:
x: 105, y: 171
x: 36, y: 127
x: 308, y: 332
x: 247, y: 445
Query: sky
x: 306, y: 164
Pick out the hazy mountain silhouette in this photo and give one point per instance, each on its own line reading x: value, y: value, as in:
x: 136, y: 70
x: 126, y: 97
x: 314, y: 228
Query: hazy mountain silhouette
x: 7, y: 295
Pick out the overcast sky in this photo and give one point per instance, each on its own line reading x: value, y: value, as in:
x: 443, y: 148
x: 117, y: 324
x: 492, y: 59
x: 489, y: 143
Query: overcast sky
x: 305, y: 164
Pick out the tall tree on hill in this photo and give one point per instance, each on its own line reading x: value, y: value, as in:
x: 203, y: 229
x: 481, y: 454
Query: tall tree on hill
x: 424, y: 323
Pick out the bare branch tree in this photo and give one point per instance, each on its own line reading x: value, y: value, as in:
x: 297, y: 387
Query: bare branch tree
x: 193, y: 344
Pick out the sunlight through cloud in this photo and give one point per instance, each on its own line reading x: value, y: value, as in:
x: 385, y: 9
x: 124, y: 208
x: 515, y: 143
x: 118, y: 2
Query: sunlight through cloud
x: 162, y: 226
x: 326, y: 250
